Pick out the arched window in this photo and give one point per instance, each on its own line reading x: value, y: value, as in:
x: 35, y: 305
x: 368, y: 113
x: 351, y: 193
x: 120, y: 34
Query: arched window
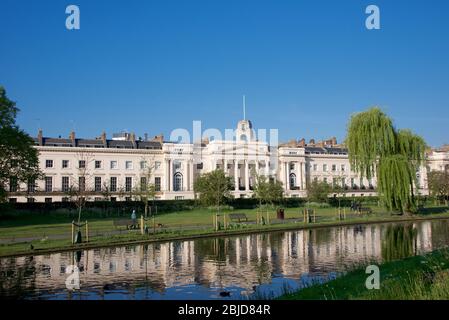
x: 243, y: 138
x: 177, y: 182
x: 292, y: 181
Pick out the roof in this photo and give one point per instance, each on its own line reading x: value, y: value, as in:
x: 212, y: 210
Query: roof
x: 326, y: 150
x: 98, y: 143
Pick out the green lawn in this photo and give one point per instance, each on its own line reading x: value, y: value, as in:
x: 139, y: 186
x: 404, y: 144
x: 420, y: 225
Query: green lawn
x: 54, y: 230
x: 419, y: 277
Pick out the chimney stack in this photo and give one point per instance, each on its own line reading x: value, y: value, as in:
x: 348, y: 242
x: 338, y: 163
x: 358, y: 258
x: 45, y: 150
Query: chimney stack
x: 103, y: 139
x: 159, y: 138
x: 302, y: 143
x: 72, y: 138
x: 145, y: 136
x: 40, y: 138
x: 132, y: 138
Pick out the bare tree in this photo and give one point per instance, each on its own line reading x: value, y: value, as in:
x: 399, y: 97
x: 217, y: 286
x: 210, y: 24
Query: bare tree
x: 79, y: 189
x: 144, y: 190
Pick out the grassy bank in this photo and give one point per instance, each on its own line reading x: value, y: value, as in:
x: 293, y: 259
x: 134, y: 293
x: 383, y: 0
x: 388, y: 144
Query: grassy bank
x: 419, y: 277
x: 52, y: 231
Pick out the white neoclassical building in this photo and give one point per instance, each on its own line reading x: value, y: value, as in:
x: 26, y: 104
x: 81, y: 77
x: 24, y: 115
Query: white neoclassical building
x: 113, y: 168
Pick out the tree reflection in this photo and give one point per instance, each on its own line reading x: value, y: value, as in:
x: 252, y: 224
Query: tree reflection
x: 399, y: 242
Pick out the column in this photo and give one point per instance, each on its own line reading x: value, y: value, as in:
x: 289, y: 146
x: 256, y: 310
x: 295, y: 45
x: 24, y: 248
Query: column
x: 167, y: 179
x: 191, y: 175
x: 286, y: 176
x: 257, y: 166
x: 236, y: 174
x: 169, y: 175
x: 185, y: 180
x: 304, y: 173
x: 246, y: 175
x: 225, y: 166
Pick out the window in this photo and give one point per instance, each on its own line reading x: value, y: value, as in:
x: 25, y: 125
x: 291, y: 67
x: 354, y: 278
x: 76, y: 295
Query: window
x: 157, y: 165
x: 315, y: 167
x: 113, y: 184
x: 31, y: 200
x: 324, y: 167
x: 292, y: 181
x: 292, y: 166
x: 82, y: 183
x: 128, y: 184
x: 48, y: 184
x: 343, y: 167
x: 64, y: 199
x: 65, y: 164
x: 177, y: 165
x: 12, y: 184
x: 12, y: 200
x: 31, y: 185
x: 113, y: 164
x: 199, y: 166
x: 325, y: 180
x: 128, y: 165
x: 48, y: 200
x: 82, y: 164
x: 157, y: 183
x: 97, y: 183
x: 97, y: 164
x: 334, y: 167
x: 65, y: 184
x: 143, y: 183
x: 177, y: 182
x: 143, y: 164
x: 48, y: 163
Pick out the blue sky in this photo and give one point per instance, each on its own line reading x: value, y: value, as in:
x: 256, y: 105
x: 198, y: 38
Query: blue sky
x: 153, y: 66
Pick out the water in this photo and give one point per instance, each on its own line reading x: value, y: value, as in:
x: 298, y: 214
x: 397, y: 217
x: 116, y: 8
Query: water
x: 240, y: 267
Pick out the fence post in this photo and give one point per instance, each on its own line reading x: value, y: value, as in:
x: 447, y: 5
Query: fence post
x: 141, y: 224
x: 73, y: 230
x: 87, y: 232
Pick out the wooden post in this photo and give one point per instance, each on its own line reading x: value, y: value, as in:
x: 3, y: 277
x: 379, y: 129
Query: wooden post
x: 141, y: 225
x: 87, y: 232
x: 73, y: 230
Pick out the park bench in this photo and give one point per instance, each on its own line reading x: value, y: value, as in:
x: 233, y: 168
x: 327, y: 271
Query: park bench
x: 365, y: 210
x: 125, y: 222
x: 238, y: 216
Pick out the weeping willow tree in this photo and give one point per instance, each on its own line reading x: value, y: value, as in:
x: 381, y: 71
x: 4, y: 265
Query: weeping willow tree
x: 376, y: 148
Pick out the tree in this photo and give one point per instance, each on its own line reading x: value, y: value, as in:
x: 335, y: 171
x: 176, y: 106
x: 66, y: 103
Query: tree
x: 79, y: 189
x: 18, y: 158
x: 377, y: 148
x: 145, y: 190
x: 438, y: 182
x: 318, y: 191
x: 213, y: 187
x: 266, y: 190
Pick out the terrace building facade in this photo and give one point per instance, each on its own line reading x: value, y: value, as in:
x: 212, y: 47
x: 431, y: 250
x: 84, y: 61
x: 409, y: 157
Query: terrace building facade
x: 113, y: 169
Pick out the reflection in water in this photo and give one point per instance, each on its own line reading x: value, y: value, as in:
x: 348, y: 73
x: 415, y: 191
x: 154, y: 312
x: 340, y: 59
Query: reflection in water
x: 203, y: 268
x: 399, y: 242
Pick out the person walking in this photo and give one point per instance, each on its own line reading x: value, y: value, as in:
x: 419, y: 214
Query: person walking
x: 134, y: 219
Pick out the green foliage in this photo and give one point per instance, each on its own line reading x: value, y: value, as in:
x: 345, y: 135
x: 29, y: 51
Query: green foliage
x: 395, y: 182
x: 18, y: 158
x: 318, y: 191
x: 438, y: 182
x: 267, y: 191
x: 377, y: 148
x: 213, y: 188
x: 370, y: 135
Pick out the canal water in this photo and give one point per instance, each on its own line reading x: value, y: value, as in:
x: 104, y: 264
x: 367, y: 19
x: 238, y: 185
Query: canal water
x: 239, y: 267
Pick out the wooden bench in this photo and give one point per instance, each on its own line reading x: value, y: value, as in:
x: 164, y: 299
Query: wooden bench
x: 125, y: 222
x: 238, y: 216
x: 365, y: 210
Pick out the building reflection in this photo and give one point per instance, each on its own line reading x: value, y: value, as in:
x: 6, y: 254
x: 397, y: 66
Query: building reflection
x: 243, y: 261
